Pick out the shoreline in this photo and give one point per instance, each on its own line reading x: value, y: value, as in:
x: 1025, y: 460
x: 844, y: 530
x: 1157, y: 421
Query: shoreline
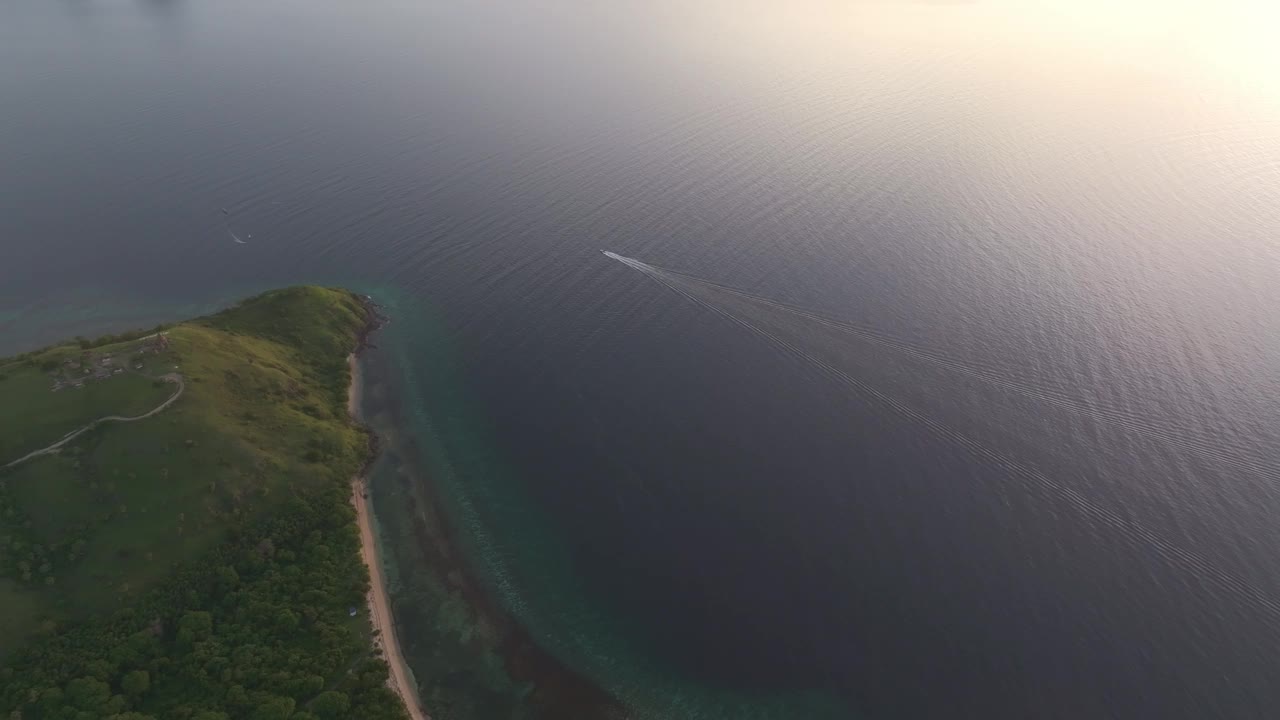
x: 557, y: 691
x: 400, y: 675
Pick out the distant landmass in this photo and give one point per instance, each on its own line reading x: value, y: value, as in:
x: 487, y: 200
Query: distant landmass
x: 177, y: 533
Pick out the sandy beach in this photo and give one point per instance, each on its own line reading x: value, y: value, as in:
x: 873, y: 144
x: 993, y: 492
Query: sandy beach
x: 401, y: 677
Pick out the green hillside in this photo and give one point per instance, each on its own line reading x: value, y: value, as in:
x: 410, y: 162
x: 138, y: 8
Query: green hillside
x: 200, y: 562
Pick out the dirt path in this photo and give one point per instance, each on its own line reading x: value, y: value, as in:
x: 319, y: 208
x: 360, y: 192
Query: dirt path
x: 171, y: 377
x: 401, y: 678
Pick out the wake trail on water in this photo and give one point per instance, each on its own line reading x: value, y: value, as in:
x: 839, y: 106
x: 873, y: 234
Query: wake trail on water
x: 1182, y: 438
x: 1136, y: 533
x: 226, y: 223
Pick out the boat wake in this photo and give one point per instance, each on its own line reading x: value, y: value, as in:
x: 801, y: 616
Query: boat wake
x: 226, y: 223
x: 767, y: 318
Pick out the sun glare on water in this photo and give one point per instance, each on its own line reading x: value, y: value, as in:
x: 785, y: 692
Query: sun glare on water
x: 1233, y: 42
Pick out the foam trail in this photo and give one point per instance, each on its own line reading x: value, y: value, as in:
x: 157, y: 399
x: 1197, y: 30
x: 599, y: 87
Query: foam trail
x: 1206, y: 447
x: 226, y: 222
x: 1134, y: 532
x: 1209, y: 448
x: 1137, y: 534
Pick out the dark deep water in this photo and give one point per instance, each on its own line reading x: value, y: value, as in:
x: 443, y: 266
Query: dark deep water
x: 1070, y: 212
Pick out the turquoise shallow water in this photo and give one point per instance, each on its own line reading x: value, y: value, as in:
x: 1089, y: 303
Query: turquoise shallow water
x: 438, y: 438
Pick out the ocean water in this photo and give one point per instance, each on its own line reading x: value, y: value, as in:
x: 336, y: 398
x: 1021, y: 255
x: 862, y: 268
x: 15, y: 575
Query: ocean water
x: 945, y: 384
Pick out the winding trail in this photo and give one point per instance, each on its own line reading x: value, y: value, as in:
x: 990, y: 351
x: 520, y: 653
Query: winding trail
x: 401, y: 677
x: 171, y: 377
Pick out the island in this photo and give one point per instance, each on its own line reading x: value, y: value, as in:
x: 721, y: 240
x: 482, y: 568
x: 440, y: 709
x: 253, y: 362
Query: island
x: 181, y: 522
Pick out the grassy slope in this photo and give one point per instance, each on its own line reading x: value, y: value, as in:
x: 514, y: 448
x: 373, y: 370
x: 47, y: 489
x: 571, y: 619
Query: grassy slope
x: 87, y: 531
x: 32, y: 416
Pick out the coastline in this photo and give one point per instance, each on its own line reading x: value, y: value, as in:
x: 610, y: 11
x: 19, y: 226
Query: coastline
x: 400, y: 675
x: 551, y: 690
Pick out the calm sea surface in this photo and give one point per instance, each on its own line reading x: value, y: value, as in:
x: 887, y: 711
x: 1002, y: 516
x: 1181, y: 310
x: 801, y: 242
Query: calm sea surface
x: 1031, y: 472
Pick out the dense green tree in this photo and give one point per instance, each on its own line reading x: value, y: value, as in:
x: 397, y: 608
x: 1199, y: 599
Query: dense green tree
x: 136, y: 683
x: 194, y: 626
x: 331, y: 705
x: 275, y: 708
x: 86, y: 693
